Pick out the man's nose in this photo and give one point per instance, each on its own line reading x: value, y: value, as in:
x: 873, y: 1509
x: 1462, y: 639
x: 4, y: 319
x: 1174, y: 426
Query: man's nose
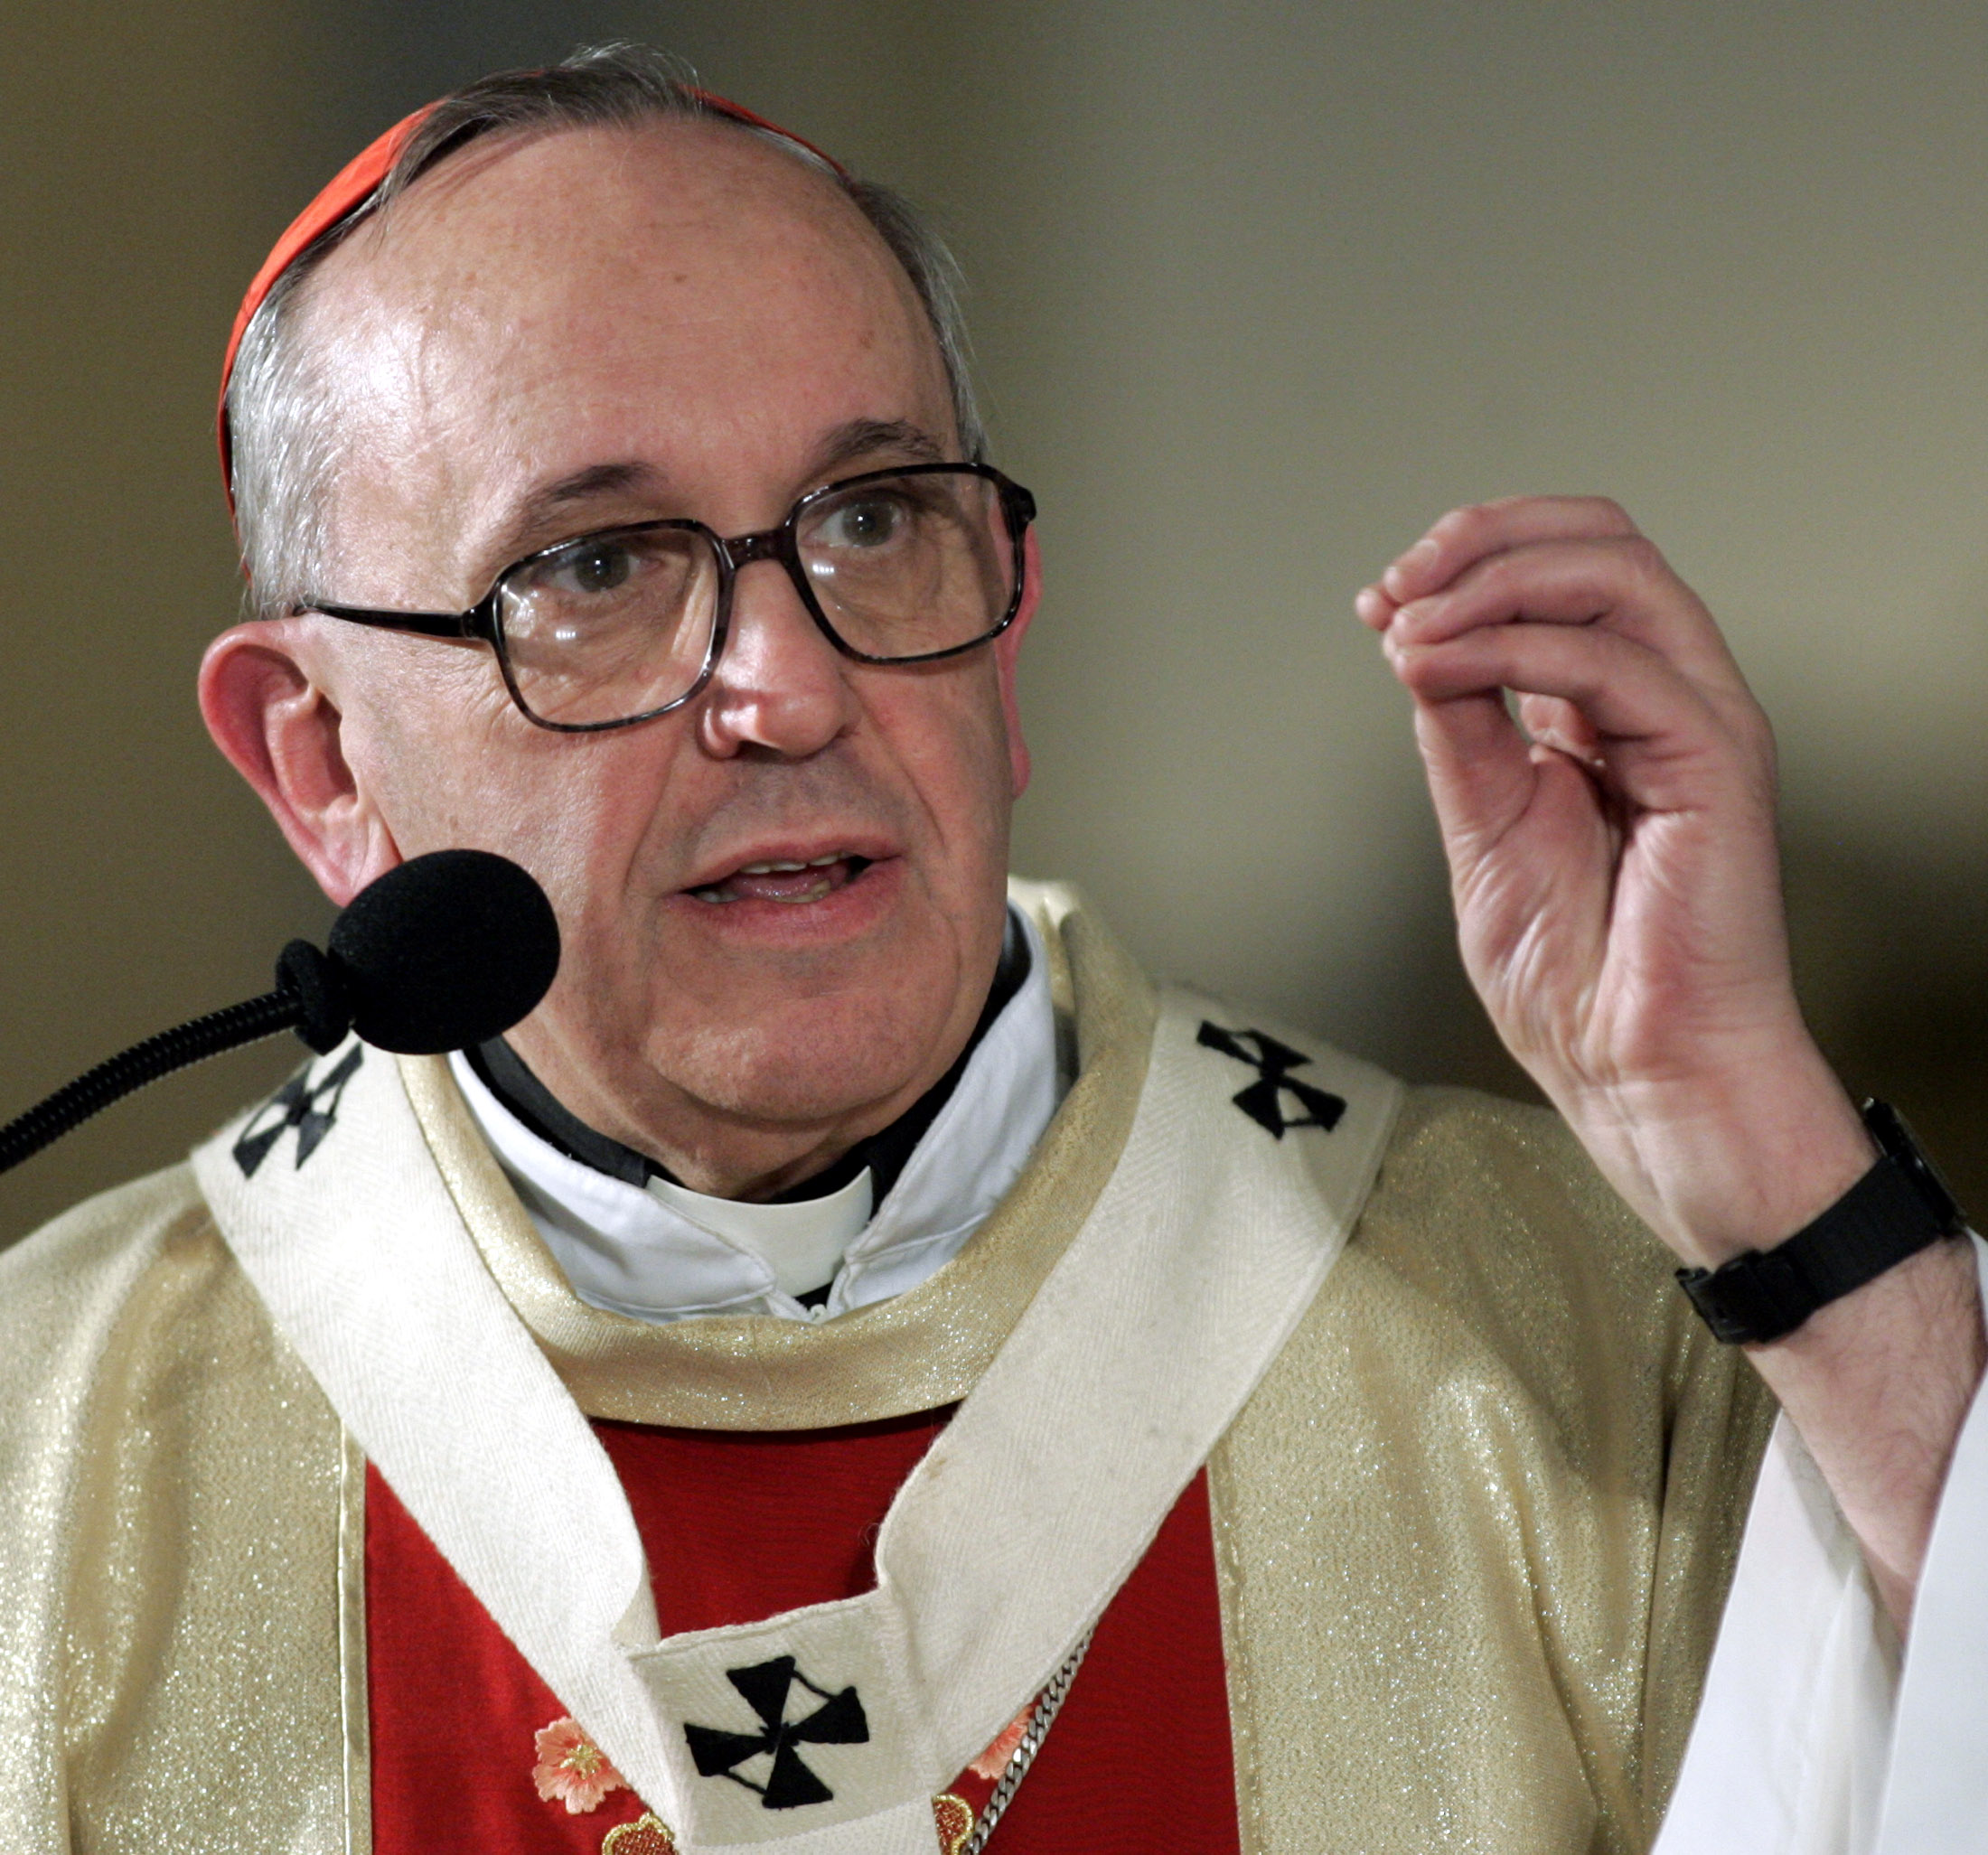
x: 780, y: 684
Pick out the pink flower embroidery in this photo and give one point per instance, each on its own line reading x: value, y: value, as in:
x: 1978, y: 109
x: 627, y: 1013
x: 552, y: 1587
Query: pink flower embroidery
x: 993, y: 1762
x: 572, y: 1768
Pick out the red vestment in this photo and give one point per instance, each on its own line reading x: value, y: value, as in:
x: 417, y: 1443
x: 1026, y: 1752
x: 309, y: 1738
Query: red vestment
x: 739, y: 1526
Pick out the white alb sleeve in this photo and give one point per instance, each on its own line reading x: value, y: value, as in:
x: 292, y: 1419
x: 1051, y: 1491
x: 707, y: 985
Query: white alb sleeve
x: 1936, y: 1802
x: 1793, y: 1752
x: 1787, y: 1754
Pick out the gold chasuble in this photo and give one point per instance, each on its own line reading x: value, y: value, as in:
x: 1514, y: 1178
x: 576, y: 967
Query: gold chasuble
x: 1477, y: 1474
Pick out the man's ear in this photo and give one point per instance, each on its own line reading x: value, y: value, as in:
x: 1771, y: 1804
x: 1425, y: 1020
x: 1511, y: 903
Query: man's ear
x: 1007, y: 650
x: 263, y: 696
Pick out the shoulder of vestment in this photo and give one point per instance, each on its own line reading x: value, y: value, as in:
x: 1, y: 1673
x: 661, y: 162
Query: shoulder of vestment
x: 169, y: 1513
x: 1479, y: 1518
x: 1489, y: 1220
x: 63, y: 1288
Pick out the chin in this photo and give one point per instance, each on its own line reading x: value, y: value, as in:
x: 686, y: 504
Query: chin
x: 809, y: 1059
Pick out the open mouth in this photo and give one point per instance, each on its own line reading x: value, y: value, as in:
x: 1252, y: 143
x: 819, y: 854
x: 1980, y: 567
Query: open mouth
x: 791, y: 882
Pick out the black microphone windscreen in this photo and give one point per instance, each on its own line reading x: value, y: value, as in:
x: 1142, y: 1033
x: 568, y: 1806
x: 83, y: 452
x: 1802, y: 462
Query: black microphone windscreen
x: 446, y: 951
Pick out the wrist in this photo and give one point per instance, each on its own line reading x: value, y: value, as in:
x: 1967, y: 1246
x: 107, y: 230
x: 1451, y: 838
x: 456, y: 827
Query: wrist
x: 1733, y: 1157
x: 1797, y: 1156
x: 1897, y: 1208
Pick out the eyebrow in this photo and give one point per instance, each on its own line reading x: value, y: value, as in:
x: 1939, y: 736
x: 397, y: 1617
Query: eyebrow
x: 541, y: 510
x: 861, y: 437
x: 549, y: 500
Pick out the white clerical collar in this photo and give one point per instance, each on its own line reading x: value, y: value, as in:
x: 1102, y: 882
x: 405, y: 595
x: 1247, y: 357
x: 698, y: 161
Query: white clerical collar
x: 664, y: 1252
x: 802, y: 1243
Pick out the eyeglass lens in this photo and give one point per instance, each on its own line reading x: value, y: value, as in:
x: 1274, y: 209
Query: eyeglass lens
x: 619, y: 625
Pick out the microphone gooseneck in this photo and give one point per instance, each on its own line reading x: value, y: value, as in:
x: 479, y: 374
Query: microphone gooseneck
x: 97, y: 1088
x: 446, y: 950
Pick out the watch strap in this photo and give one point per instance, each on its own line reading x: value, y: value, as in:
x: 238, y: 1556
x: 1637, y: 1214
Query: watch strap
x: 1894, y: 1211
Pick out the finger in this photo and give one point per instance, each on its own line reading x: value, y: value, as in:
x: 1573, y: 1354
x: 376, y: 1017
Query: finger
x: 1490, y: 790
x: 1663, y: 741
x: 1373, y: 608
x: 1621, y: 585
x: 1466, y: 536
x: 1480, y: 768
x: 1526, y: 833
x: 1551, y: 721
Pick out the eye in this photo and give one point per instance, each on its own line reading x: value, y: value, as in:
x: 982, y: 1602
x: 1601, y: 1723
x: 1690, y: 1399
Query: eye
x: 872, y: 521
x: 589, y: 567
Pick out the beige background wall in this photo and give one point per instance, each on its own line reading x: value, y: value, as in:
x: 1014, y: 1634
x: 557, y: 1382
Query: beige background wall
x: 1258, y: 291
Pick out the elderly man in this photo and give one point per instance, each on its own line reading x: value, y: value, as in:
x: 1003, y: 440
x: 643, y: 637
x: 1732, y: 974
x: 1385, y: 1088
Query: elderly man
x: 857, y: 1367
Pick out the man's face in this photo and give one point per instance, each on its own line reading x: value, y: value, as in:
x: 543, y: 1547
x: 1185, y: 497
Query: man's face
x: 602, y: 327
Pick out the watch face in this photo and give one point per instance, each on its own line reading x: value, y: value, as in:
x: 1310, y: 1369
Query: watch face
x: 1896, y: 1138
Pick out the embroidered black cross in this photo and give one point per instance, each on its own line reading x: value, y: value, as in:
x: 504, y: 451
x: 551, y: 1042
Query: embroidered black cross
x: 309, y: 1106
x: 1263, y: 1099
x: 766, y: 1686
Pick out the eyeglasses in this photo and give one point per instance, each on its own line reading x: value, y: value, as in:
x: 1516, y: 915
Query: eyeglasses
x: 902, y: 566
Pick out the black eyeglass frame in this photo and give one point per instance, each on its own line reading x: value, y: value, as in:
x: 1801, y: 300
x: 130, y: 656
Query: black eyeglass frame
x: 482, y: 624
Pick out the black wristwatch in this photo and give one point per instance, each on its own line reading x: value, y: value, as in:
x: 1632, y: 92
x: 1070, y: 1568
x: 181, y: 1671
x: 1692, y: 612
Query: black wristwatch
x: 1894, y: 1211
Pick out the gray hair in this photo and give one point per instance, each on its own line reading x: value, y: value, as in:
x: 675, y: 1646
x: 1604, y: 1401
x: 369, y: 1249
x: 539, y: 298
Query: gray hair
x: 280, y: 426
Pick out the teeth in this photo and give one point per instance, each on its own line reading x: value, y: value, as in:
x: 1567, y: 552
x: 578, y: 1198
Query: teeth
x: 715, y: 897
x: 785, y: 869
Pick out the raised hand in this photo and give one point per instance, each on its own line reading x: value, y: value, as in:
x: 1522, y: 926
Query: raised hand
x: 1613, y: 859
x: 1610, y: 827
